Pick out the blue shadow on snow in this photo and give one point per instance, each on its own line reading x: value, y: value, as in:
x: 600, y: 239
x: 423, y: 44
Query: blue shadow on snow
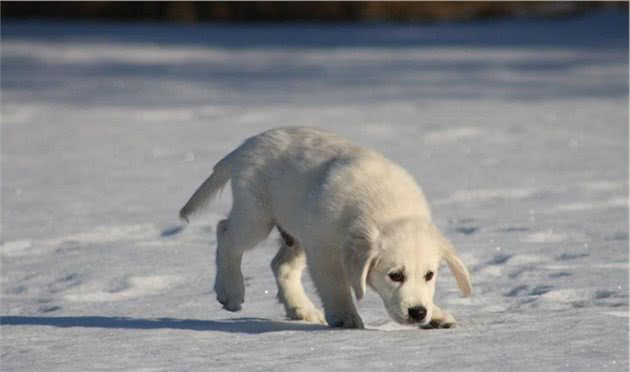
x: 238, y: 325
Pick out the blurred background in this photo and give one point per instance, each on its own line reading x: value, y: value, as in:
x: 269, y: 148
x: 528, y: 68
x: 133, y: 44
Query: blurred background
x: 284, y: 11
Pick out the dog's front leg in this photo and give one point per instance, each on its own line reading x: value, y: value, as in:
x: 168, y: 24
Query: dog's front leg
x: 440, y: 319
x: 335, y: 292
x: 287, y: 267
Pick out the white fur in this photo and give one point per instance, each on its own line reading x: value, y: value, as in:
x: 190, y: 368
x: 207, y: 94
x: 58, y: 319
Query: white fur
x: 354, y: 216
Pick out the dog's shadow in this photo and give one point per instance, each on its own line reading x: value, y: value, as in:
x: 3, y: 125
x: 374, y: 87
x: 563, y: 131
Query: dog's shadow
x: 237, y: 325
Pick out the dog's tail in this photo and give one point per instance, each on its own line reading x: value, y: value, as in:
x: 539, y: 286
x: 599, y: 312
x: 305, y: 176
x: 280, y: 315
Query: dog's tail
x: 209, y: 188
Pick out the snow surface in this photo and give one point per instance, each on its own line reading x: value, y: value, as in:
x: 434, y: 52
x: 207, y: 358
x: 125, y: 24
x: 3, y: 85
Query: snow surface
x: 516, y: 129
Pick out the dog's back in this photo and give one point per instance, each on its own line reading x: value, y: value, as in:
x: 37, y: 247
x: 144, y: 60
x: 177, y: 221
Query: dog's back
x: 287, y: 156
x: 318, y: 170
x: 334, y: 180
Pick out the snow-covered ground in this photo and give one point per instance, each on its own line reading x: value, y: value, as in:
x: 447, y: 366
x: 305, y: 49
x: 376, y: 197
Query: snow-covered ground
x: 517, y: 130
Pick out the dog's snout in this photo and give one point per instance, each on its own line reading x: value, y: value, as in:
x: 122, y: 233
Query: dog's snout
x: 417, y: 313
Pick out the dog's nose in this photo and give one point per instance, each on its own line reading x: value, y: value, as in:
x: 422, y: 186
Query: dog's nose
x: 417, y: 313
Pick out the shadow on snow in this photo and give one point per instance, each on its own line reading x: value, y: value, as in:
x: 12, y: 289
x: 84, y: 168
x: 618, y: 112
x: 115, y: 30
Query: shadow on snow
x: 238, y: 325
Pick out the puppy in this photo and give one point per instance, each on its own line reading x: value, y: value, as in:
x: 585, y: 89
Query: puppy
x: 357, y: 218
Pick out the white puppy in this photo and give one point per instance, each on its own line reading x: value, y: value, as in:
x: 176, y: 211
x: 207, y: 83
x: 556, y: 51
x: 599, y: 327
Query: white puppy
x: 356, y: 217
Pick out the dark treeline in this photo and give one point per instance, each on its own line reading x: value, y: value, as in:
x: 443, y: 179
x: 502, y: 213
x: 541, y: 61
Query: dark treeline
x: 377, y: 11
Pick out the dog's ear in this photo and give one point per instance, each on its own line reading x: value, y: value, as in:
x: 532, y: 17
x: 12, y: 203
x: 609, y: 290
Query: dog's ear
x: 359, y: 255
x: 455, y: 264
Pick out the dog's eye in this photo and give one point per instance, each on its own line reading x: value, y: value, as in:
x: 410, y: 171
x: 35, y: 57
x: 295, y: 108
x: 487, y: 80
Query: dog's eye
x: 397, y: 276
x: 428, y: 276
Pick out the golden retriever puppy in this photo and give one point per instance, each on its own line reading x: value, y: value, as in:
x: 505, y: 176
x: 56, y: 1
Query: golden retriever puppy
x: 355, y: 218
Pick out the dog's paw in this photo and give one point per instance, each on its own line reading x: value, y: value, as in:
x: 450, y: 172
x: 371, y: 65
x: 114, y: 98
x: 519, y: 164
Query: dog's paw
x: 232, y: 296
x: 345, y: 320
x: 311, y: 315
x: 445, y: 321
x: 229, y: 305
x: 435, y: 324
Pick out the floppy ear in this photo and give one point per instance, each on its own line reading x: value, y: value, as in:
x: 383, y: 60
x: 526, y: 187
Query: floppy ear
x: 359, y: 255
x: 455, y: 264
x: 458, y: 269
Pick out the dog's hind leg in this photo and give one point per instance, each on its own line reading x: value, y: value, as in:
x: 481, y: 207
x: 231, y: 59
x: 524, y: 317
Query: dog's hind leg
x: 288, y: 266
x: 241, y: 232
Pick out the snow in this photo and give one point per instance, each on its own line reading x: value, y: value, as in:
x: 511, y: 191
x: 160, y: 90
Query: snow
x: 516, y: 129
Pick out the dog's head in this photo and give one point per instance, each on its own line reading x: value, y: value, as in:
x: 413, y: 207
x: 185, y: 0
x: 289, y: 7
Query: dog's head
x: 401, y: 264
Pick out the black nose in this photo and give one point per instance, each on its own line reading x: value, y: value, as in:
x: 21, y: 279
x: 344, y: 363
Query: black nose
x: 417, y: 313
